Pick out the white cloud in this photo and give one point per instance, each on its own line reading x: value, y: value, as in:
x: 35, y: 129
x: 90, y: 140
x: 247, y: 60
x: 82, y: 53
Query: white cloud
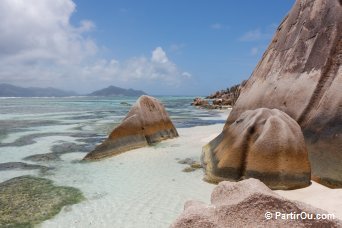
x: 258, y: 34
x: 86, y: 26
x: 139, y: 70
x: 252, y: 35
x: 159, y: 56
x: 40, y: 31
x: 40, y: 47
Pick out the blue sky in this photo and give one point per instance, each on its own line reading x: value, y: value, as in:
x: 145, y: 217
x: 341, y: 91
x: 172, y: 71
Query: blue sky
x: 162, y: 47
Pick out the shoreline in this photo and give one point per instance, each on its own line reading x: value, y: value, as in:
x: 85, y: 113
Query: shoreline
x: 154, y: 193
x: 146, y: 187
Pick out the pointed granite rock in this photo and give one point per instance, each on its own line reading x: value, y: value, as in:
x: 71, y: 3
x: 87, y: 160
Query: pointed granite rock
x: 146, y: 123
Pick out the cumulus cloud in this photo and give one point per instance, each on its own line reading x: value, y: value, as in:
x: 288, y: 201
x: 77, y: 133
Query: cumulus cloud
x: 39, y: 46
x: 40, y: 31
x: 159, y: 56
x: 157, y: 69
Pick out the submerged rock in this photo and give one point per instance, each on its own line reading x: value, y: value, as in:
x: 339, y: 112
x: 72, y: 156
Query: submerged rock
x: 187, y: 161
x: 188, y: 169
x: 301, y: 74
x: 200, y: 102
x: 245, y: 204
x: 62, y: 148
x: 193, y: 165
x: 264, y: 144
x: 27, y: 200
x: 146, y: 123
x: 43, y: 157
x: 21, y: 165
x: 69, y: 147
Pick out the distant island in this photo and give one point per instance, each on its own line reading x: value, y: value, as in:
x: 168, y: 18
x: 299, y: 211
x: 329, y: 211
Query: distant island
x: 117, y: 91
x: 7, y: 90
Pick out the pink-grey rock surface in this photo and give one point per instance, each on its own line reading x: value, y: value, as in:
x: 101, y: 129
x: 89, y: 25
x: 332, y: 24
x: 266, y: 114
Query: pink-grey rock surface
x: 244, y: 204
x: 301, y: 74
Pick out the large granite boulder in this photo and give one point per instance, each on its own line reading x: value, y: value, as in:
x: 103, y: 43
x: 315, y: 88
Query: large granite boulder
x: 250, y: 203
x: 263, y: 143
x: 146, y: 123
x: 300, y: 73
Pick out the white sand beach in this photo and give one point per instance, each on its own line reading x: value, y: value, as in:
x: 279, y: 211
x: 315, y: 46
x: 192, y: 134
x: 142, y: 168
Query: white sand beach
x: 147, y: 188
x: 319, y: 196
x: 140, y: 188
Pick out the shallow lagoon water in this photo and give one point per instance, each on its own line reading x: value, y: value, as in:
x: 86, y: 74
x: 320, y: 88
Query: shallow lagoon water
x: 141, y: 188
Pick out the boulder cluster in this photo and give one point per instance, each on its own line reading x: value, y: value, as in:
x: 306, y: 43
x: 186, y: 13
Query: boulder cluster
x: 284, y: 129
x: 300, y: 74
x: 220, y: 99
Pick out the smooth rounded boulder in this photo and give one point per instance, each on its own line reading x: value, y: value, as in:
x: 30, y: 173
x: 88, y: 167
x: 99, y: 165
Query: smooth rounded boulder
x: 264, y: 144
x: 146, y: 123
x: 250, y: 203
x: 301, y: 74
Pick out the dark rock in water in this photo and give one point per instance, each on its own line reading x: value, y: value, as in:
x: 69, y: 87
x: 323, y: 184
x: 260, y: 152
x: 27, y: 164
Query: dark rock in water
x: 188, y: 169
x: 125, y: 103
x: 193, y: 164
x: 301, y: 74
x: 29, y: 139
x: 26, y: 201
x: 69, y: 147
x: 219, y: 103
x: 199, y: 102
x: 196, y: 165
x: 43, y: 157
x: 59, y: 149
x: 146, y: 123
x: 21, y: 165
x: 244, y: 204
x: 188, y: 161
x: 228, y: 96
x: 264, y: 144
x: 12, y: 126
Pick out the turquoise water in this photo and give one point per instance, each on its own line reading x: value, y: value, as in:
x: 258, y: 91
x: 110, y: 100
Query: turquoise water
x: 95, y: 116
x: 47, y: 137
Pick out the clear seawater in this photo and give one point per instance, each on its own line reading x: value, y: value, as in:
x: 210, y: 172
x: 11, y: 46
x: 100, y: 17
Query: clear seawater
x: 72, y: 126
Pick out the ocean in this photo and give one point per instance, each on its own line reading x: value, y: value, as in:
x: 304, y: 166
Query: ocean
x: 140, y: 188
